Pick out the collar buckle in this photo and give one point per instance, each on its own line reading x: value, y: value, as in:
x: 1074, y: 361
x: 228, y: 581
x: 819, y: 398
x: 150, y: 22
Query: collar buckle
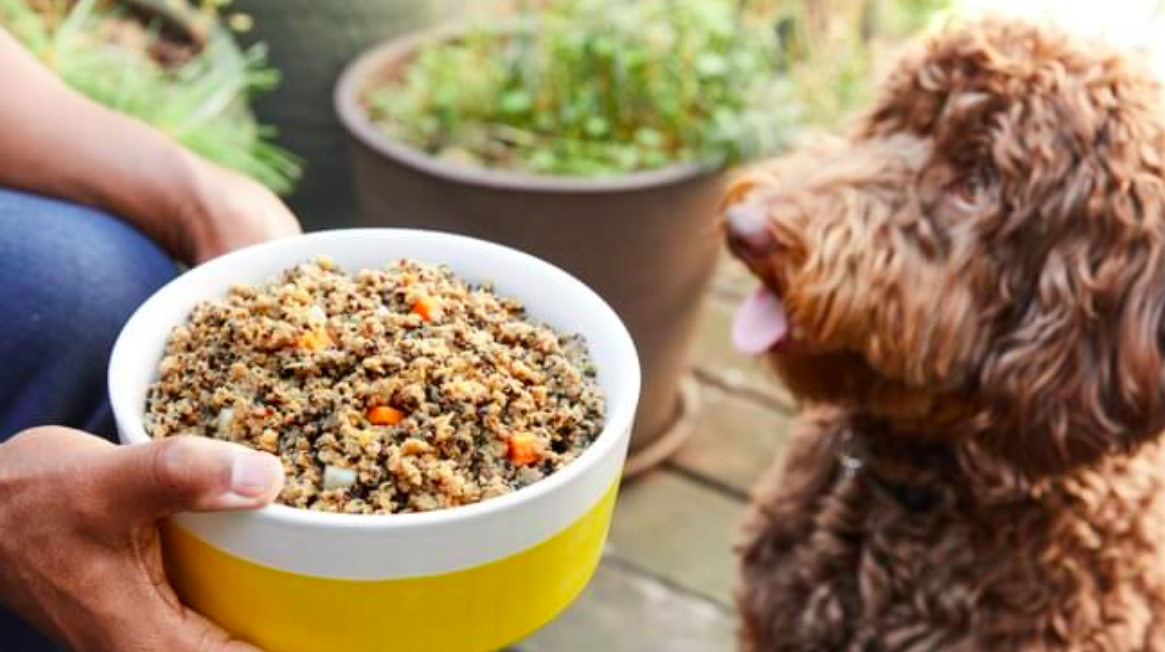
x: 853, y: 458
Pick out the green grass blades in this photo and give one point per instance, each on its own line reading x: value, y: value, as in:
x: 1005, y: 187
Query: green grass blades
x: 201, y: 102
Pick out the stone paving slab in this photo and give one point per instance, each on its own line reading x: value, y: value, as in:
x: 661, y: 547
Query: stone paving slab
x: 674, y: 527
x: 736, y: 440
x: 625, y: 610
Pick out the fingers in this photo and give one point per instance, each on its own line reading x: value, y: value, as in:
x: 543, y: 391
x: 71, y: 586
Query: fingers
x: 165, y: 626
x: 284, y: 222
x: 101, y: 584
x: 189, y: 474
x: 234, y: 211
x: 185, y: 629
x: 196, y: 634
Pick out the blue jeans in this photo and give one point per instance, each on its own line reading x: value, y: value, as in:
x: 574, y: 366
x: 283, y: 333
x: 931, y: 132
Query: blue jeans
x: 70, y: 276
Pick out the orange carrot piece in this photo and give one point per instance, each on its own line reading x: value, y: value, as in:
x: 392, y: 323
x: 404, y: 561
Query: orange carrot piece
x: 383, y: 415
x: 314, y: 340
x: 523, y: 449
x: 425, y: 308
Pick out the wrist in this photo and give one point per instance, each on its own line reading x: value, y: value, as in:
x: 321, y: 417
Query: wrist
x: 189, y: 199
x: 143, y: 177
x: 167, y: 200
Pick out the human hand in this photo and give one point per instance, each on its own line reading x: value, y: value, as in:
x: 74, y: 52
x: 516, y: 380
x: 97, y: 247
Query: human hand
x: 225, y: 211
x: 58, y: 143
x: 79, y: 555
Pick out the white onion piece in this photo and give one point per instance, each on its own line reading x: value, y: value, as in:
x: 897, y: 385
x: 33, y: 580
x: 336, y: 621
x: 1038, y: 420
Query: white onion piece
x: 338, y: 478
x: 316, y: 314
x: 226, y: 416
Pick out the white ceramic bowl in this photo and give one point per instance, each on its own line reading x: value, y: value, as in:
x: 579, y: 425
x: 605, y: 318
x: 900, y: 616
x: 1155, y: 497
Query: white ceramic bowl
x: 468, y: 579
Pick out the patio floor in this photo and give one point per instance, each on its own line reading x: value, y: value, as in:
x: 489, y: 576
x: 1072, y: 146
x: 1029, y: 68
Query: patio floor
x: 666, y: 580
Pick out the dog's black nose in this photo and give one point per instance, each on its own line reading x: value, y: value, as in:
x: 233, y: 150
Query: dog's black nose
x: 749, y: 233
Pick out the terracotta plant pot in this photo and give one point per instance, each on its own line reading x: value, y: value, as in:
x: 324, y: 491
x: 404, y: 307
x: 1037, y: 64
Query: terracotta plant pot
x: 309, y: 42
x: 647, y: 242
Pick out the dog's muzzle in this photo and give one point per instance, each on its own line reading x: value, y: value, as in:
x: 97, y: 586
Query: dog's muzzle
x: 749, y: 234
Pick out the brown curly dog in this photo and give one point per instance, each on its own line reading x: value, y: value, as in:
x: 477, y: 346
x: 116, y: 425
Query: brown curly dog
x: 967, y: 295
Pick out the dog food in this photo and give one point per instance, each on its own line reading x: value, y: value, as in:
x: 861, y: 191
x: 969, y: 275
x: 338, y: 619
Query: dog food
x: 404, y: 389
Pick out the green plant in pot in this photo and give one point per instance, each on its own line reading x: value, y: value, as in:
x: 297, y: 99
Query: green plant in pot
x: 167, y: 63
x: 591, y: 88
x: 592, y: 133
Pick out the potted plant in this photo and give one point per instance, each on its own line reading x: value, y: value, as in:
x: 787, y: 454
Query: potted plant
x: 592, y: 133
x: 166, y: 63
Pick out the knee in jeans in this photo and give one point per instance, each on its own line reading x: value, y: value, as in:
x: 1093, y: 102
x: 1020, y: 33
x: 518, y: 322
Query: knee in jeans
x: 74, y: 274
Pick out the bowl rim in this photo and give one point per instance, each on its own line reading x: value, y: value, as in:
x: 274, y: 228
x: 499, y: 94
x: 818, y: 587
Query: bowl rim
x: 356, y: 75
x: 616, y: 429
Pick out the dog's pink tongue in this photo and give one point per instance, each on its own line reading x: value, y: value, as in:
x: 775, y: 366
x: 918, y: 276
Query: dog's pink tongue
x: 760, y: 323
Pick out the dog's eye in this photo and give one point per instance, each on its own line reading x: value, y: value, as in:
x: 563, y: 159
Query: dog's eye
x: 970, y: 192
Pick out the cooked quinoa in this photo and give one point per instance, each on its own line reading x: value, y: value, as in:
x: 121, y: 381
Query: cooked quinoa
x: 403, y: 389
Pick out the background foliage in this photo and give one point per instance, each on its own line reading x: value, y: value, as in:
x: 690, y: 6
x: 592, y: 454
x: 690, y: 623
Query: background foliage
x: 592, y: 87
x: 197, y: 96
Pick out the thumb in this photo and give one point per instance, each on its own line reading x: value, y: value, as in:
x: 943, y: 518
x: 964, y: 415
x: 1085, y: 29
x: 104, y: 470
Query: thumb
x: 191, y: 474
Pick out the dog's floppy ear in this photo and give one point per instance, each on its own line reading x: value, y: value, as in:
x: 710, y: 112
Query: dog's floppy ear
x: 1078, y: 371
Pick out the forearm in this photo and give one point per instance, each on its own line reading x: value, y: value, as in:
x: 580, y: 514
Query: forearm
x: 54, y: 141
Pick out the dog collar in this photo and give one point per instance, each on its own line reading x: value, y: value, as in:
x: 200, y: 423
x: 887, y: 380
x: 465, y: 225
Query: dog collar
x: 853, y: 459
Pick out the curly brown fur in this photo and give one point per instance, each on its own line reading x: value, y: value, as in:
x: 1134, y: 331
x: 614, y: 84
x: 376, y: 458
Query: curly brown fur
x: 975, y: 280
